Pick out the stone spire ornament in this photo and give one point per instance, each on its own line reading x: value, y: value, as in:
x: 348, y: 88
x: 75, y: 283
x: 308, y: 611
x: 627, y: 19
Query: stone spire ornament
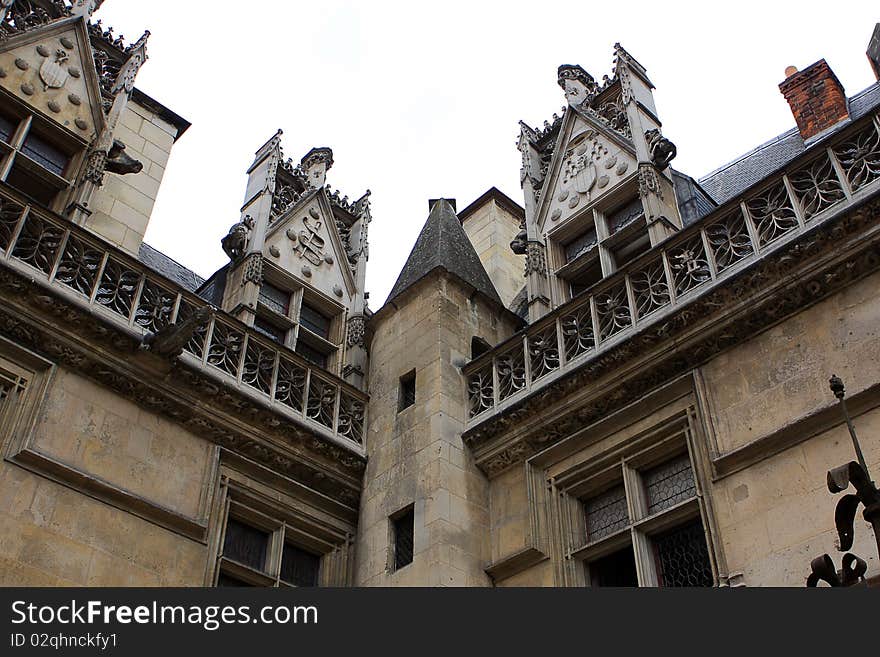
x: 84, y: 8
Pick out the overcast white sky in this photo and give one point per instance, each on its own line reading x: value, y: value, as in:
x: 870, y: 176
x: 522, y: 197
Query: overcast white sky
x: 421, y: 100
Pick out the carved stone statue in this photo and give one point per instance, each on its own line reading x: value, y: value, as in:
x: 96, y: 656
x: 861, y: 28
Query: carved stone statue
x: 236, y: 240
x: 662, y: 150
x: 119, y: 162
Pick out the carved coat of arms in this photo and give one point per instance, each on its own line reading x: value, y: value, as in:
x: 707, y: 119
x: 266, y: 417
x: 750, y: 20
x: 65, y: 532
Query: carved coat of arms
x: 52, y: 73
x: 311, y: 244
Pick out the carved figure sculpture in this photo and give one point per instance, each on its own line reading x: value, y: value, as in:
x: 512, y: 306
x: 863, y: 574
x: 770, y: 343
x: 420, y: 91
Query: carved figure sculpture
x: 235, y: 241
x: 118, y: 161
x: 662, y: 150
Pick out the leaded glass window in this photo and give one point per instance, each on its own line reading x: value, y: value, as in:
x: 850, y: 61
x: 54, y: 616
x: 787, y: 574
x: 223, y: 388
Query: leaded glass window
x: 682, y: 557
x: 275, y: 298
x: 403, y: 526
x: 653, y: 518
x: 265, y: 553
x: 606, y: 514
x: 315, y: 321
x: 669, y: 484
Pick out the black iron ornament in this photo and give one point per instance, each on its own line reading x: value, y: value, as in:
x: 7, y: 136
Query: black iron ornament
x: 839, y: 479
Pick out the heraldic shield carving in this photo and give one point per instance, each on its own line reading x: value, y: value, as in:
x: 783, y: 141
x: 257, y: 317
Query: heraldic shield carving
x: 52, y: 73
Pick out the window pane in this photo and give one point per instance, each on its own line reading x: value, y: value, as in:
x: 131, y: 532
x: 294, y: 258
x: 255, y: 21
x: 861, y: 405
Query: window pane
x: 41, y: 151
x: 315, y: 321
x: 403, y: 539
x: 299, y: 567
x: 245, y: 544
x: 581, y: 244
x: 7, y: 128
x: 682, y: 557
x: 624, y: 216
x: 669, y: 484
x: 311, y: 354
x: 269, y: 330
x: 275, y: 298
x: 606, y: 514
x: 618, y: 569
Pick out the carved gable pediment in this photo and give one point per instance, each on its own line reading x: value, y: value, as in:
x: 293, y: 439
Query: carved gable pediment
x: 589, y: 162
x: 307, y: 243
x: 52, y: 69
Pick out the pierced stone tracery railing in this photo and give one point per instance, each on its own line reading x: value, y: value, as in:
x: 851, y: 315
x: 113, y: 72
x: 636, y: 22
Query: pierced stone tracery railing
x: 125, y: 291
x: 699, y: 257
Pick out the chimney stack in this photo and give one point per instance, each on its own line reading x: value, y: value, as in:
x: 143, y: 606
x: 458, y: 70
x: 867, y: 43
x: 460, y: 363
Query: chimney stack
x: 816, y: 97
x: 874, y: 51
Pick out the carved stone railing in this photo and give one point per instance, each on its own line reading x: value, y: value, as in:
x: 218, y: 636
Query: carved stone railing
x: 699, y: 258
x: 126, y: 293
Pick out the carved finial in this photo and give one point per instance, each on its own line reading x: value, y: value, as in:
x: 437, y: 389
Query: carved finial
x: 128, y: 72
x: 85, y: 8
x: 579, y: 86
x: 316, y: 163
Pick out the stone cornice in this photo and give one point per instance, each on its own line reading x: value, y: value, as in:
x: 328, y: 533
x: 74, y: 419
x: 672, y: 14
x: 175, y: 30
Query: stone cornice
x: 818, y: 263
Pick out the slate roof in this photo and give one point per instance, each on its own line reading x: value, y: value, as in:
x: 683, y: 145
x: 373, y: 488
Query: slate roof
x: 162, y: 264
x: 734, y: 178
x: 444, y: 244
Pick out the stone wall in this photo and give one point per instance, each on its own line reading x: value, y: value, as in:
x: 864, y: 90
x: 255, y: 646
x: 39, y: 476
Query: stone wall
x: 491, y: 228
x: 92, y: 493
x: 123, y: 206
x: 782, y: 375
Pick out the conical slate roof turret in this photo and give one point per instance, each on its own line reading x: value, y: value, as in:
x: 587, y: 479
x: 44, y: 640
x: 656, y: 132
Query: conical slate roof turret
x: 444, y: 244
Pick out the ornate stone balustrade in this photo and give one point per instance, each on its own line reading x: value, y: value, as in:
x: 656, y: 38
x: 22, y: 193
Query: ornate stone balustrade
x: 700, y: 258
x: 124, y: 292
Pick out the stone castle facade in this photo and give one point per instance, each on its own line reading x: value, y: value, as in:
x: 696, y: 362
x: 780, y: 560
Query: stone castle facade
x: 621, y: 382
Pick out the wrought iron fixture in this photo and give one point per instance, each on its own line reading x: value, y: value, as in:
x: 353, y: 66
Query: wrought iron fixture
x: 856, y: 474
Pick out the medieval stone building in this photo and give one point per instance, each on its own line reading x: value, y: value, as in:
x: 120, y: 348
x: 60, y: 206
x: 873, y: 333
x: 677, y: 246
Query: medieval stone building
x: 624, y: 381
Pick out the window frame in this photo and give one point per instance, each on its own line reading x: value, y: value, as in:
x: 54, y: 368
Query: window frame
x: 295, y: 333
x: 405, y: 381
x: 594, y: 217
x: 284, y: 525
x: 408, y: 511
x: 12, y: 155
x: 629, y: 470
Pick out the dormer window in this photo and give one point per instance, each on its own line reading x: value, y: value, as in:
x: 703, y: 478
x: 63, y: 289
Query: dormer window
x: 299, y: 319
x: 601, y: 241
x: 37, y: 159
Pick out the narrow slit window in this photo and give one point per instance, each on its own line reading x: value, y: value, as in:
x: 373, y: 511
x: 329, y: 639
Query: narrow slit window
x: 403, y: 525
x: 407, y: 396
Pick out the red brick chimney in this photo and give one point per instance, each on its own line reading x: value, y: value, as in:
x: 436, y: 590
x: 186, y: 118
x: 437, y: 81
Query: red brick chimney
x: 816, y: 96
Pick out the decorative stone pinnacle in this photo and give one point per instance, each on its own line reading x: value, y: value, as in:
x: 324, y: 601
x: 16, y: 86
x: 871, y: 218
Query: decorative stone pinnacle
x: 574, y: 72
x: 320, y: 155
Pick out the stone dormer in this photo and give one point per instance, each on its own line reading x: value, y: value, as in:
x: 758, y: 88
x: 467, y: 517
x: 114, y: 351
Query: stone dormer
x: 77, y: 136
x: 597, y: 185
x: 298, y: 257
